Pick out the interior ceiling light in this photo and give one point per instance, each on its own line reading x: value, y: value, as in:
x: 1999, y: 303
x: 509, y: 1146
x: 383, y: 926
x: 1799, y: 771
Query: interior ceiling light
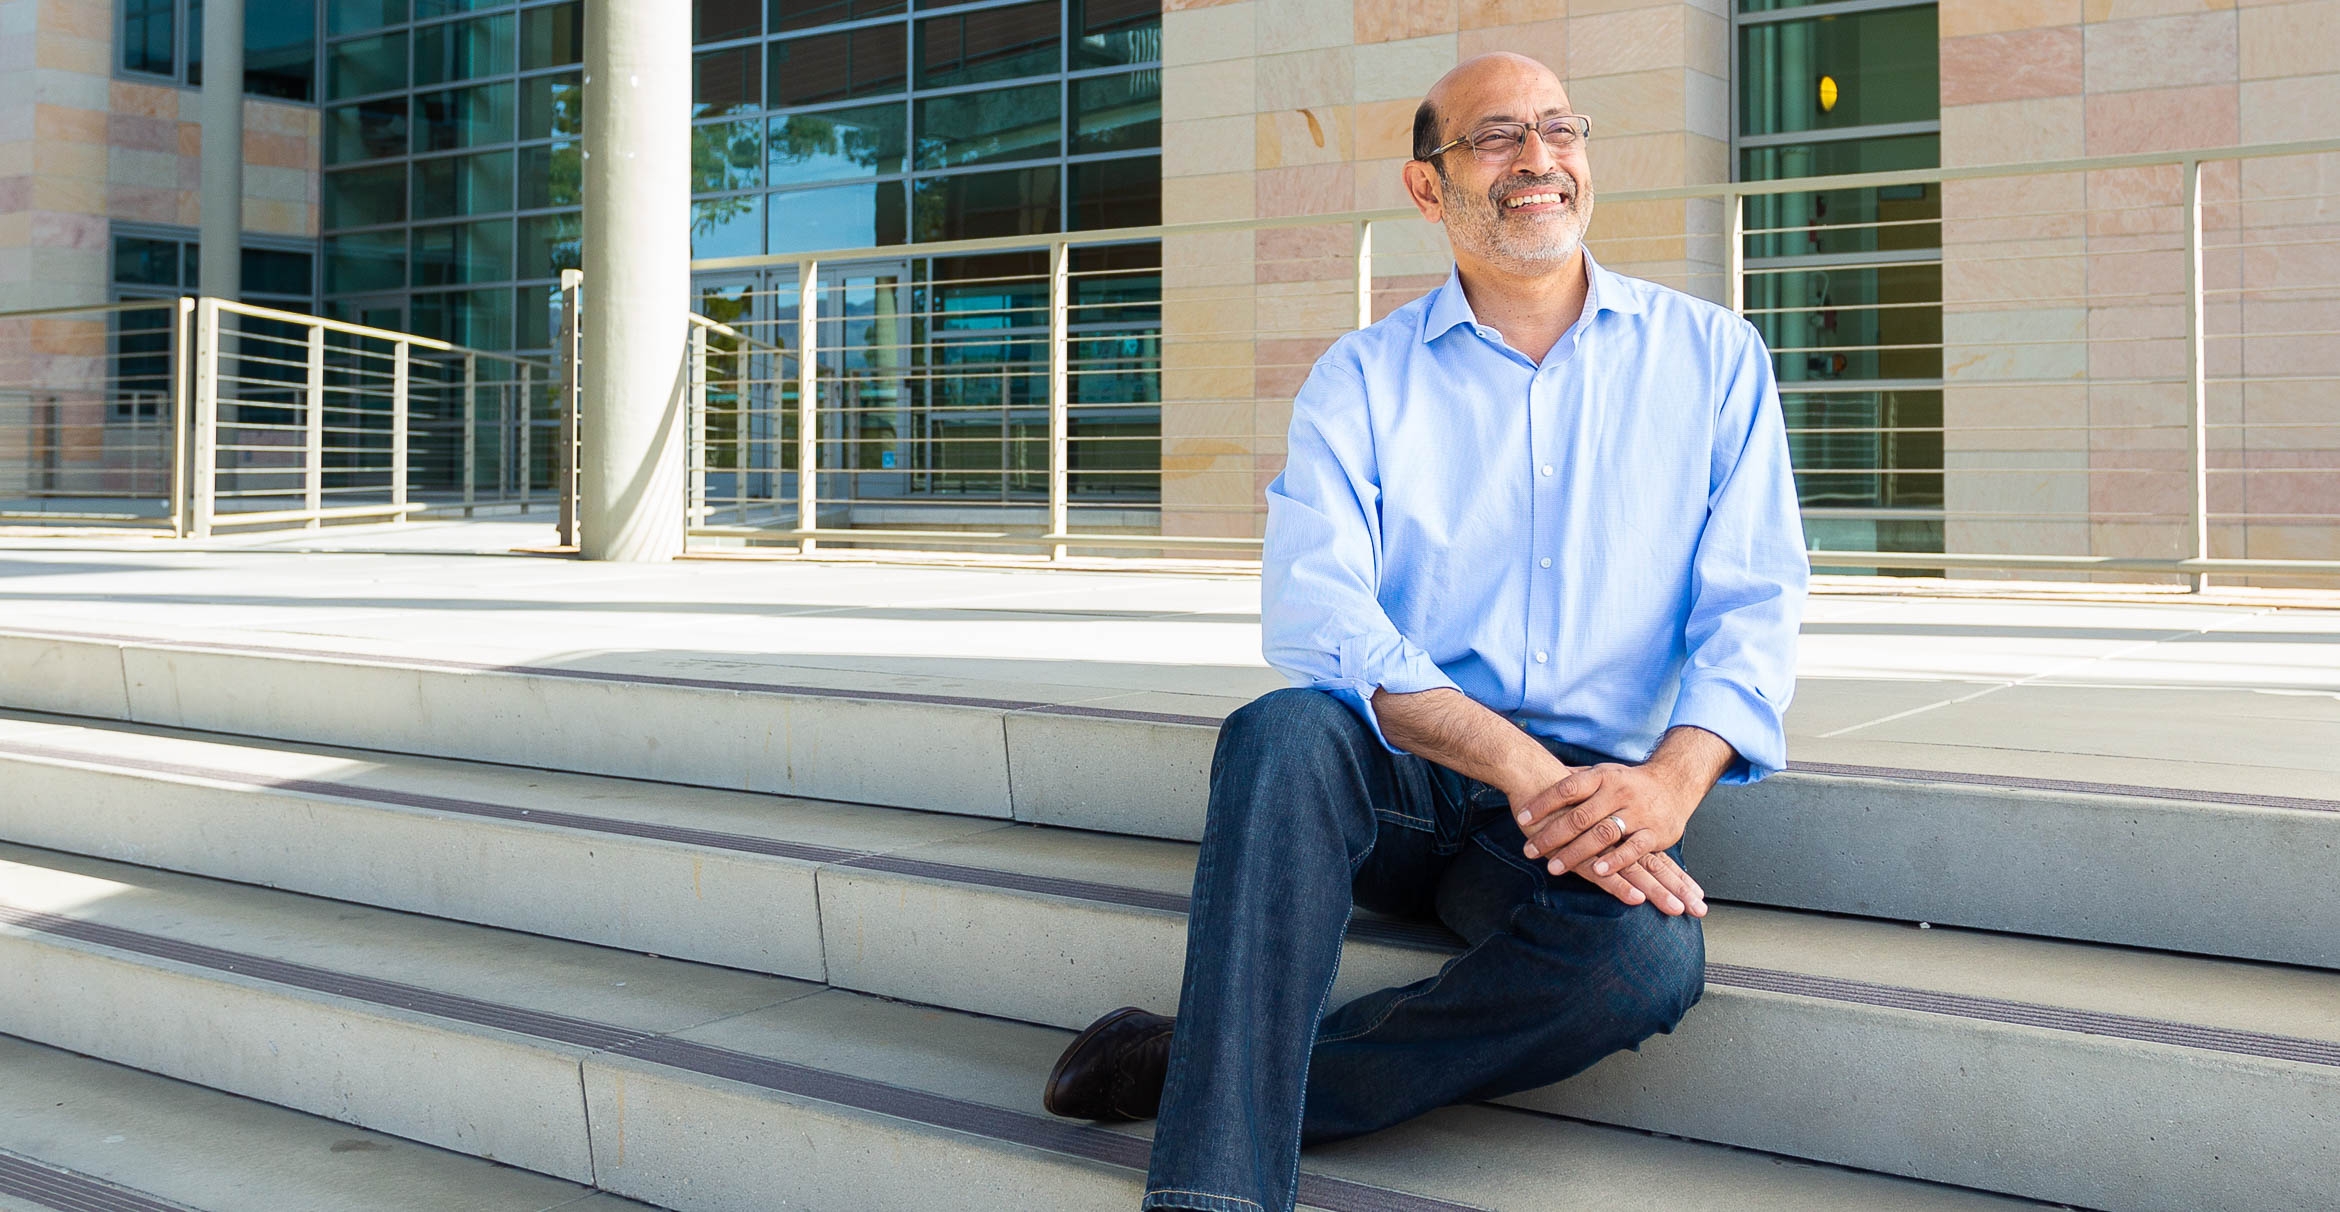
x: 1827, y: 93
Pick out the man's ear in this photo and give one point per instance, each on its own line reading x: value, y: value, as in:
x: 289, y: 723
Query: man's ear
x: 1421, y: 182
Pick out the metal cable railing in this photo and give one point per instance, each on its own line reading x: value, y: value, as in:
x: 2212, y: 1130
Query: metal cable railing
x: 2113, y: 364
x: 199, y: 414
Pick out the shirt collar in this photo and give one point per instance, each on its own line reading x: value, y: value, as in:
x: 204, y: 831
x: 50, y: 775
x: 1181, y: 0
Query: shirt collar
x: 1604, y: 291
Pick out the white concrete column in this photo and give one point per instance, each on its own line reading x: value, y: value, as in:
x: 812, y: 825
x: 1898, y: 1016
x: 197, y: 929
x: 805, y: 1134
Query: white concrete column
x: 222, y: 110
x: 637, y: 252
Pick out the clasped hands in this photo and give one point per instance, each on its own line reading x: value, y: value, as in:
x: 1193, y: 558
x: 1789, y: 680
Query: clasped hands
x: 1612, y: 824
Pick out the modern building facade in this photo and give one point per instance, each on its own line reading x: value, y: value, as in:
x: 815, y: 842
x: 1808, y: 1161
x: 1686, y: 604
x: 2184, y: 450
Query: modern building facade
x: 1977, y: 366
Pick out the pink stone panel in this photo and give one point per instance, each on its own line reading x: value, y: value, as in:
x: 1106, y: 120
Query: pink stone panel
x: 1546, y: 42
x: 1305, y: 254
x: 2011, y: 66
x: 142, y: 204
x: 1391, y: 20
x: 2166, y: 119
x: 142, y: 133
x: 1307, y: 189
x: 2161, y: 52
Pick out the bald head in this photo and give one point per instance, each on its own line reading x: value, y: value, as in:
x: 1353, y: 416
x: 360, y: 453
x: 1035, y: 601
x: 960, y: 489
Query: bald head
x: 1471, y: 87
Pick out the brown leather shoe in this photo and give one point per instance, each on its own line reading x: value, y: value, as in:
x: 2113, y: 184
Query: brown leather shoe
x: 1113, y: 1070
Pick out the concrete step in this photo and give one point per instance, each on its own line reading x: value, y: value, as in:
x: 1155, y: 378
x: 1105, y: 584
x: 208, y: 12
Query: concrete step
x: 79, y: 1133
x: 1957, y: 1056
x: 698, y: 1088
x: 2138, y: 866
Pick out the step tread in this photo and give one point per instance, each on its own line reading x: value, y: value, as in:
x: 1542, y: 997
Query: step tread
x: 2221, y: 995
x: 86, y: 1120
x: 907, y: 1061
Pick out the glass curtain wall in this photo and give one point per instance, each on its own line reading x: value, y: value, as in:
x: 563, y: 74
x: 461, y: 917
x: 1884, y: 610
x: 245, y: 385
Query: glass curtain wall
x: 453, y: 175
x: 1846, y: 285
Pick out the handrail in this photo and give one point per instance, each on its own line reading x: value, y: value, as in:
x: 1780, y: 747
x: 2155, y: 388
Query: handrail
x: 1719, y: 189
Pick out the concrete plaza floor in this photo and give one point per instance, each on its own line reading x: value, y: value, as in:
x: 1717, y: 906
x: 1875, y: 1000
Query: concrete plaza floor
x: 2237, y: 690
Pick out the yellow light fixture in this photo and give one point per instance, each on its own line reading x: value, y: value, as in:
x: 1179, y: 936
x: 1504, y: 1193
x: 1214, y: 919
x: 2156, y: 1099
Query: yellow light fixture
x: 1827, y: 93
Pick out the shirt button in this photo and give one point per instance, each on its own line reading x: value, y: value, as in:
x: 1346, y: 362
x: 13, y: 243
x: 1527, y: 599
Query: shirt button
x: 1546, y: 562
x: 1540, y: 657
x: 1547, y: 469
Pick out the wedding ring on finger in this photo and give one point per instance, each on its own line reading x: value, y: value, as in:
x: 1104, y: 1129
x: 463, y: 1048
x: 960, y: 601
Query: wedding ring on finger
x: 1622, y: 831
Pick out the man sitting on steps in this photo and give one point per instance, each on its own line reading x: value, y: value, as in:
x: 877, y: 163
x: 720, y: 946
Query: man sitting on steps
x: 1533, y: 525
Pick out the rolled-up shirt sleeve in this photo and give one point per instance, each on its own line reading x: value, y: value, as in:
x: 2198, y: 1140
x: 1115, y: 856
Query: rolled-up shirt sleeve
x: 1321, y: 621
x: 1748, y: 577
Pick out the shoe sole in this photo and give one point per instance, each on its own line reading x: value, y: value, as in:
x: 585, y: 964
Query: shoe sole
x: 1048, y: 1098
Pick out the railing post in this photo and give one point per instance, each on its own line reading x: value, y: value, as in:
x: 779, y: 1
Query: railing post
x: 1364, y: 236
x: 1059, y: 394
x: 182, y: 400
x: 527, y: 455
x: 808, y: 419
x: 313, y: 461
x: 399, y: 413
x: 2197, y: 373
x: 203, y: 468
x: 470, y: 431
x: 565, y: 462
x: 1735, y: 253
x: 697, y: 454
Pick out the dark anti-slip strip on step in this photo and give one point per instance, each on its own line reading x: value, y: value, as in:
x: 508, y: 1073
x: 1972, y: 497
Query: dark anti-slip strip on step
x: 1035, y: 707
x: 66, y: 1190
x: 864, y: 1094
x: 2030, y: 1014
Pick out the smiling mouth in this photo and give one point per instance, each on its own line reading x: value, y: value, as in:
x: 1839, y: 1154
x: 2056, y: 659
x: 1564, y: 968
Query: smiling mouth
x: 1517, y: 201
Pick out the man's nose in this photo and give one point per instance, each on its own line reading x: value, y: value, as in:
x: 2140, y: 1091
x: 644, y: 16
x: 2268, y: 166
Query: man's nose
x: 1535, y: 156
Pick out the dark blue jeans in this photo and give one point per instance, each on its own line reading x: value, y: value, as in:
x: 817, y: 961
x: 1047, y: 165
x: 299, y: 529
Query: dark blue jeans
x: 1309, y: 817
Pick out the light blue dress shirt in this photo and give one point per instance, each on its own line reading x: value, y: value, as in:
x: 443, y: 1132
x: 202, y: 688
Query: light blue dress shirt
x: 1599, y: 547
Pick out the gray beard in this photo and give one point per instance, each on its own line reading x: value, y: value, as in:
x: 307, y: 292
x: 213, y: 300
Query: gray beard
x: 1476, y: 223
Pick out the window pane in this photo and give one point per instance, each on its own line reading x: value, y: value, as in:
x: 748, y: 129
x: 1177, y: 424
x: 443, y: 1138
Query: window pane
x: 841, y: 216
x: 990, y: 44
x: 833, y: 144
x: 280, y: 51
x: 1117, y: 193
x: 552, y: 105
x: 548, y: 244
x: 150, y: 37
x: 832, y: 67
x: 1109, y: 33
x: 551, y: 174
x: 357, y: 16
x: 458, y: 253
x: 463, y: 117
x: 725, y: 82
x: 374, y: 260
x: 367, y: 65
x: 553, y: 36
x: 727, y: 156
x: 368, y: 130
x: 723, y: 20
x: 273, y: 271
x: 463, y: 50
x: 481, y: 319
x: 362, y: 197
x: 728, y: 227
x: 974, y: 205
x: 143, y: 262
x: 463, y: 185
x: 989, y: 127
x: 805, y: 14
x: 1884, y: 65
x: 1118, y: 112
x: 425, y: 9
x: 538, y: 310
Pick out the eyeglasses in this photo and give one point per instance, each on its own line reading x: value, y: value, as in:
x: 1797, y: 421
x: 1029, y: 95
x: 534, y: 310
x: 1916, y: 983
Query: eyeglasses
x: 1501, y: 142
